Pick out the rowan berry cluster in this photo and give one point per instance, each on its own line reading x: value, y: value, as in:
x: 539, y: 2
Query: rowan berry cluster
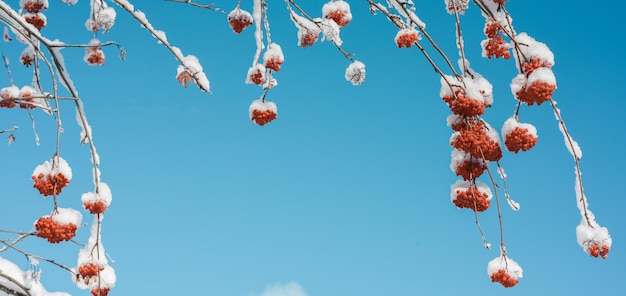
x: 470, y: 169
x: 502, y: 277
x: 597, y: 250
x: 96, y: 207
x: 34, y: 6
x: 477, y: 142
x: 519, y: 139
x: 460, y: 104
x: 338, y: 11
x: 100, y: 292
x: 537, y: 92
x: 88, y: 271
x: 472, y: 199
x: 308, y: 39
x: 54, y: 231
x: 273, y: 57
x: 494, y: 45
x: 50, y: 184
x: 407, y: 37
x: 256, y: 75
x: 263, y: 117
x: 239, y: 19
x: 94, y: 55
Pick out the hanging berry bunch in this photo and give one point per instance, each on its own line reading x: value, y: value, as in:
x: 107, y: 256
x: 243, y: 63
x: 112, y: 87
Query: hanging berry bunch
x: 338, y: 11
x: 60, y: 226
x: 52, y: 176
x: 239, y: 19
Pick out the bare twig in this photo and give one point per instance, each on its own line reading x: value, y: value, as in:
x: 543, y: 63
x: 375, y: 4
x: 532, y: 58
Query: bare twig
x: 203, y: 6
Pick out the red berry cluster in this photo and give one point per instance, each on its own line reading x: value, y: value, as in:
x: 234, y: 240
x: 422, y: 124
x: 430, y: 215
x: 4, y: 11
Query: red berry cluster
x: 407, y: 38
x: 472, y: 199
x: 263, y: 117
x: 339, y: 17
x: 463, y: 105
x: 50, y: 184
x: 88, y: 271
x: 239, y: 19
x: 533, y: 64
x: 519, y: 139
x: 27, y: 59
x: 33, y: 15
x: 96, y: 207
x: 94, y: 56
x: 308, y: 39
x: 469, y: 170
x: 100, y: 292
x: 477, y: 143
x: 273, y: 63
x: 38, y: 20
x: 7, y: 101
x: 502, y: 277
x: 53, y: 231
x: 494, y: 45
x: 34, y: 6
x: 597, y: 250
x: 257, y: 77
x: 538, y: 92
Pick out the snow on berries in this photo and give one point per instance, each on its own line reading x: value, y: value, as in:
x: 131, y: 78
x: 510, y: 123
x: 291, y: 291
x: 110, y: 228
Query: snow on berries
x: 52, y: 176
x: 26, y: 100
x: 505, y: 271
x: 239, y: 19
x: 97, y: 202
x: 518, y: 136
x: 60, y: 226
x: 8, y: 95
x: 355, y: 73
x: 494, y: 45
x: 33, y: 6
x: 256, y: 75
x: 308, y: 31
x: 38, y: 20
x: 595, y: 240
x: 471, y: 195
x: 535, y: 88
x: 273, y: 57
x: 93, y: 54
x: 262, y: 112
x: 480, y: 141
x: 338, y: 11
x: 27, y: 57
x: 407, y: 37
x: 467, y: 166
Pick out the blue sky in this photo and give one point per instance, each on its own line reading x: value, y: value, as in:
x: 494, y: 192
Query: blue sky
x: 347, y: 192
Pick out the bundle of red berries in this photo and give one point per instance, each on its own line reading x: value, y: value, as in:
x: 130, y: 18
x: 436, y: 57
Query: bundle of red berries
x: 54, y: 231
x: 406, y: 37
x: 239, y: 19
x: 505, y: 279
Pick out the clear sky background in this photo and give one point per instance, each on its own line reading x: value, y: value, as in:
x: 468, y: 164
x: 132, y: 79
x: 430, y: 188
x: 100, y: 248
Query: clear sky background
x: 348, y: 191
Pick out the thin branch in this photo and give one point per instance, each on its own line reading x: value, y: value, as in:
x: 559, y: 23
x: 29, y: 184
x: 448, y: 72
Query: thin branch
x: 203, y: 6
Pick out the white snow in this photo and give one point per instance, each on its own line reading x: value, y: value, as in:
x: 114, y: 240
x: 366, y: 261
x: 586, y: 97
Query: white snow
x: 503, y: 262
x: 355, y: 73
